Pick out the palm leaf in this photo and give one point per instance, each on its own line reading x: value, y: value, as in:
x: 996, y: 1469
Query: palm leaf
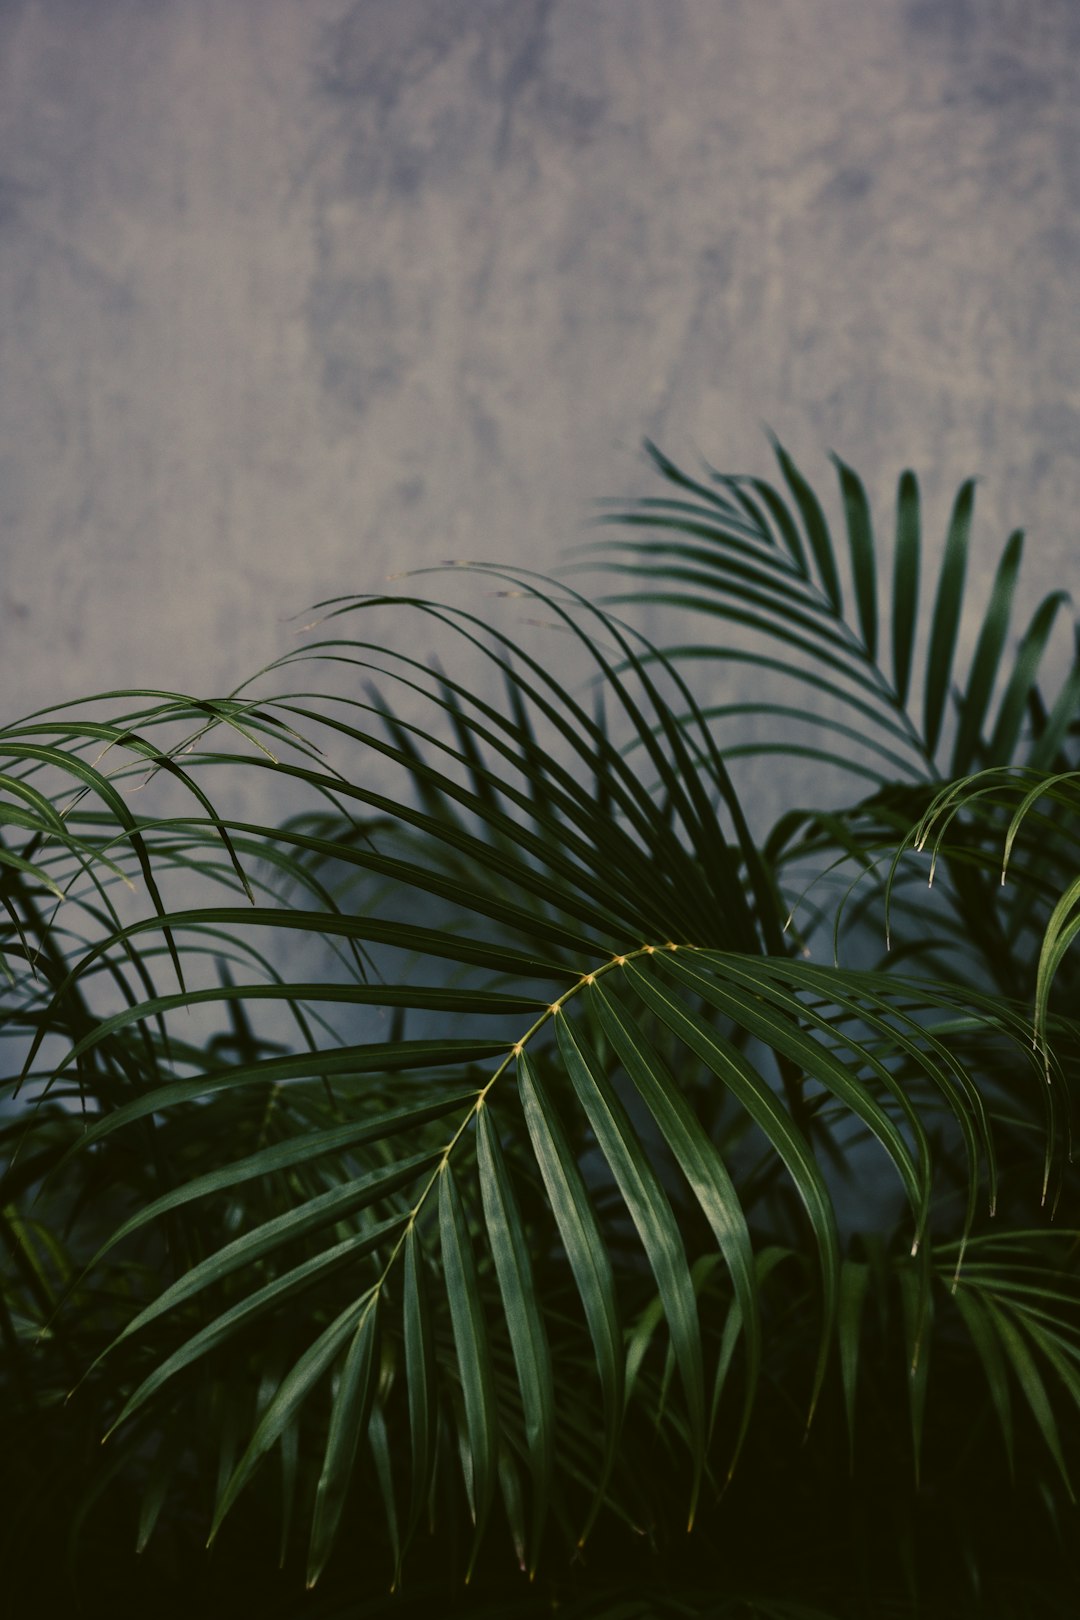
x: 407, y: 1262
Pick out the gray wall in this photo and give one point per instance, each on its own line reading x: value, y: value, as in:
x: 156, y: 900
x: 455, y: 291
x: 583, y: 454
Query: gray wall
x: 296, y: 293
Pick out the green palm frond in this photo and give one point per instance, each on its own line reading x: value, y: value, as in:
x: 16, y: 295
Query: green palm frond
x: 476, y: 1143
x: 744, y: 554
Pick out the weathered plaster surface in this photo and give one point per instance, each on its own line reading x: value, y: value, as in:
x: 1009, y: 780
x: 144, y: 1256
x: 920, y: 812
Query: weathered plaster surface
x: 294, y: 295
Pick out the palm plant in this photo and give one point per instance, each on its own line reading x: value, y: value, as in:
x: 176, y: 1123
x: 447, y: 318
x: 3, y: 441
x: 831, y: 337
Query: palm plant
x: 508, y: 1160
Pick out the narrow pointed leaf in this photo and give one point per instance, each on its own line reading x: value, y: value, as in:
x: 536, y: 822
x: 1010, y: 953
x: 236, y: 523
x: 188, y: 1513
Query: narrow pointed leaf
x: 817, y: 530
x: 293, y: 1151
x: 917, y: 1311
x: 987, y: 658
x: 861, y: 545
x: 420, y: 1379
x: 1062, y: 927
x: 513, y: 1502
x: 774, y: 1017
x: 697, y: 1157
x: 586, y: 1252
x: 473, y: 1350
x: 651, y: 1214
x: 528, y: 1336
x: 785, y: 524
x: 382, y: 1455
x: 376, y: 1057
x: 764, y: 1108
x: 162, y: 1473
x: 676, y: 475
x: 1062, y: 716
x: 1031, y: 1383
x: 854, y: 1281
x: 906, y: 560
x: 348, y: 1424
x: 290, y: 1397
x: 946, y: 617
x: 987, y: 1346
x: 334, y: 1205
x: 272, y: 1296
x: 765, y: 1262
x: 1014, y: 700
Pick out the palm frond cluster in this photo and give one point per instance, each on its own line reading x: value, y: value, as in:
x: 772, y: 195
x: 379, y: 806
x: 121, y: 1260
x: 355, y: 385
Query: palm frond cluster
x: 516, y: 1180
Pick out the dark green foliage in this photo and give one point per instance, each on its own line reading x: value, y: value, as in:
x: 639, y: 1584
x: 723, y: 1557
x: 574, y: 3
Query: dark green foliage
x: 516, y: 1155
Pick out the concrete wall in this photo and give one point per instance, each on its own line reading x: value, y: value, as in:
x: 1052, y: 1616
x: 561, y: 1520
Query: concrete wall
x: 296, y: 293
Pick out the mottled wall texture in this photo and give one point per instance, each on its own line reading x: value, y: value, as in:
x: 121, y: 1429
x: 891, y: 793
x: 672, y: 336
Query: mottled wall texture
x: 298, y: 293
